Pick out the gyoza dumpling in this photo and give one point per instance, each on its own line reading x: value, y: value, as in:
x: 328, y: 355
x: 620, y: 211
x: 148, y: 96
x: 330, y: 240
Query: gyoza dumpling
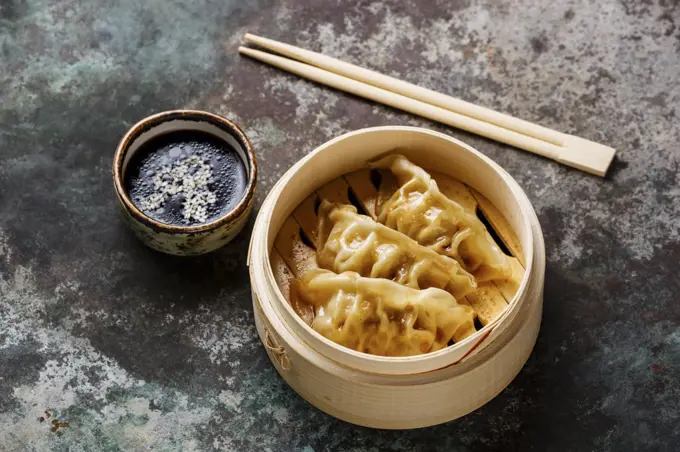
x: 381, y: 317
x: 352, y: 242
x: 419, y: 210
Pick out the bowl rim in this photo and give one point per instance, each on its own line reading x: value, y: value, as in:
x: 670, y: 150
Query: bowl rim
x: 156, y: 120
x: 365, y: 361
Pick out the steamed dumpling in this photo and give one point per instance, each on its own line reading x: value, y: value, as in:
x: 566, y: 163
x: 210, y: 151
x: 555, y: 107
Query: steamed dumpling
x: 419, y: 210
x: 381, y: 317
x: 352, y: 242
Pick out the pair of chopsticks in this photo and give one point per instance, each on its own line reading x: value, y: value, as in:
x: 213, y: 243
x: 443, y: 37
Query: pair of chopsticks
x: 567, y: 149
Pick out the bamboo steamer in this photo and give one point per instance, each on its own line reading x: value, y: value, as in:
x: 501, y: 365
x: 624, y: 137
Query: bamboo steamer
x: 404, y: 392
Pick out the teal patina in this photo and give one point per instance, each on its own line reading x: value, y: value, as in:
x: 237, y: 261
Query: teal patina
x: 135, y: 350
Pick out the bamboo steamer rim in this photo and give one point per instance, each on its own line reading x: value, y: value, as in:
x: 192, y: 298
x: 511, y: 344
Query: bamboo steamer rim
x: 264, y: 278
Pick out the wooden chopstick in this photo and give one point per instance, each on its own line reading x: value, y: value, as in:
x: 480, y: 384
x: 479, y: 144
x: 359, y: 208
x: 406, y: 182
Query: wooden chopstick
x: 567, y: 149
x: 407, y: 89
x: 405, y: 103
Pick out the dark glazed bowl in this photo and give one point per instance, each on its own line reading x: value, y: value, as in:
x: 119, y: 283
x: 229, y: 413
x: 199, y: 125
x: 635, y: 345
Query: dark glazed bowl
x: 184, y: 240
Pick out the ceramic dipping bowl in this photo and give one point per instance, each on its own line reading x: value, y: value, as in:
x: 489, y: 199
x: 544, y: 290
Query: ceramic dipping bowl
x: 178, y: 239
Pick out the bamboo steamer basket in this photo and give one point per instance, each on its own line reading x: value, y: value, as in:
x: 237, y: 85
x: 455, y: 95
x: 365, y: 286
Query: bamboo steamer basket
x: 403, y: 392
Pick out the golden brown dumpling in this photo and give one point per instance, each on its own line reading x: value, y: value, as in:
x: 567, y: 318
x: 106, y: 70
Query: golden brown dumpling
x: 352, y: 242
x: 381, y: 317
x: 419, y: 210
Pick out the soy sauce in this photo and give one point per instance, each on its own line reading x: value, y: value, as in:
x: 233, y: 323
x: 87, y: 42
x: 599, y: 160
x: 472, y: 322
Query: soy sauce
x: 186, y: 178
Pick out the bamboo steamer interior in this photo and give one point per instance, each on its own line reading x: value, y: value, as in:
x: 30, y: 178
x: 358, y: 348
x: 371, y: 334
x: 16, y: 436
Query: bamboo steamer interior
x: 397, y: 392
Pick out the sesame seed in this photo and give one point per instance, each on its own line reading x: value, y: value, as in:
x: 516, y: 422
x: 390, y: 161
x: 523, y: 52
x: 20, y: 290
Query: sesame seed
x: 179, y: 179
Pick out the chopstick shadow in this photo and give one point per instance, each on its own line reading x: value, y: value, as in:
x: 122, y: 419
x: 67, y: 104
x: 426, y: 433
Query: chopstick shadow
x: 616, y: 167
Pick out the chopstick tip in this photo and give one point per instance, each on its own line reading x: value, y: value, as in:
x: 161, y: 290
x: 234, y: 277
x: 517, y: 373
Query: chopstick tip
x: 253, y: 39
x: 254, y: 53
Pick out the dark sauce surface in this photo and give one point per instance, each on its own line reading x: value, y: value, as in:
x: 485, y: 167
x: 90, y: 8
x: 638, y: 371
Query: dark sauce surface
x: 186, y: 178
